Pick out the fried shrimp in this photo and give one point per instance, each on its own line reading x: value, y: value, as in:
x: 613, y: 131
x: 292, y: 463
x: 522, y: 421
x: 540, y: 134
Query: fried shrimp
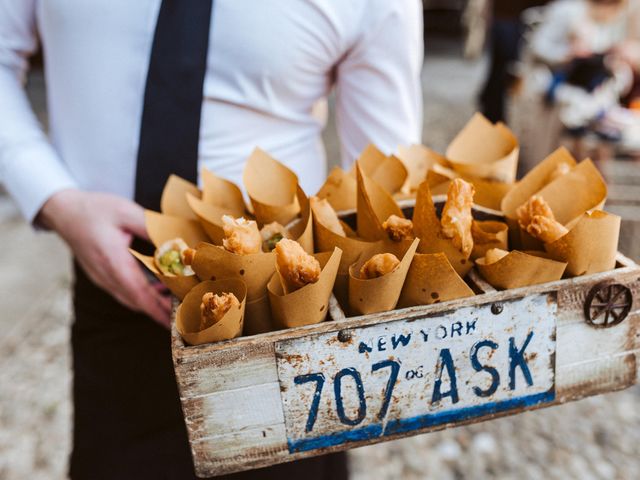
x: 379, y: 265
x: 456, y: 216
x: 296, y: 267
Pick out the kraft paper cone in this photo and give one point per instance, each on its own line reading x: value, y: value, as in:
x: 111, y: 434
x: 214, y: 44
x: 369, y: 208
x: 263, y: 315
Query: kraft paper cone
x: 387, y: 171
x: 173, y: 201
x: 432, y: 279
x: 212, y: 262
x: 535, y: 181
x: 485, y: 150
x: 162, y: 227
x: 520, y: 269
x: 375, y: 205
x: 210, y: 217
x: 302, y: 230
x: 188, y: 313
x: 590, y: 246
x: 179, y: 285
x: 222, y: 193
x: 487, y: 235
x: 308, y: 305
x: 418, y: 160
x: 572, y: 194
x: 258, y: 316
x: 272, y: 189
x: 488, y: 193
x: 427, y: 227
x: 339, y: 189
x: 378, y: 294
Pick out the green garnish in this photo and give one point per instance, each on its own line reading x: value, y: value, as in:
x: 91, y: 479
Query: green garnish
x: 172, y: 262
x: 271, y: 243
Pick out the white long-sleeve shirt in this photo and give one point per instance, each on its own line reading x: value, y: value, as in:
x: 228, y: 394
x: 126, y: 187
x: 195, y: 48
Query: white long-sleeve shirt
x: 269, y: 63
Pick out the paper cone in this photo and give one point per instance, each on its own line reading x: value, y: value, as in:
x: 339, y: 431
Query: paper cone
x: 179, y: 285
x: 173, y: 201
x: 520, y: 269
x: 487, y: 235
x: 222, y: 193
x: 418, y: 159
x: 378, y: 294
x: 162, y: 227
x: 375, y: 205
x: 212, y: 262
x: 485, y: 150
x: 210, y: 217
x: 534, y: 181
x: 387, y: 171
x: 340, y: 190
x: 590, y: 246
x: 302, y: 230
x: 432, y: 279
x: 308, y: 305
x: 272, y: 189
x: 188, y: 314
x: 427, y: 227
x: 258, y: 316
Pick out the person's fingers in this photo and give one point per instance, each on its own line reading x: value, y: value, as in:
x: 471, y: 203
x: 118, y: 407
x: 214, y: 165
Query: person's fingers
x: 132, y: 219
x: 160, y: 287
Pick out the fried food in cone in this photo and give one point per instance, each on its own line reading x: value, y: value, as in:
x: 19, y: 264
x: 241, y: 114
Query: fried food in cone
x: 271, y: 234
x: 296, y: 267
x: 456, y: 216
x: 379, y: 265
x: 537, y: 219
x: 169, y: 258
x: 398, y: 228
x: 241, y: 236
x: 215, y: 306
x: 326, y: 215
x: 535, y: 206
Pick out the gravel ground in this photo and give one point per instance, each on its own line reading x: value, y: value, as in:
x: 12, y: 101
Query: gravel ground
x: 595, y: 438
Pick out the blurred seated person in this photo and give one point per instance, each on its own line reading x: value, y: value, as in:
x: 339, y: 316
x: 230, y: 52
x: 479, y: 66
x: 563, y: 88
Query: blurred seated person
x: 591, y: 47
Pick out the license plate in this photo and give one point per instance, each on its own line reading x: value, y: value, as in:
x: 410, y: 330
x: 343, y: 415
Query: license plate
x: 406, y: 375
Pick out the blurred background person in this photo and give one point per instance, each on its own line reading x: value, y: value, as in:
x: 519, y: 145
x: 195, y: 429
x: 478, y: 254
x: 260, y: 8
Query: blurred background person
x: 591, y: 50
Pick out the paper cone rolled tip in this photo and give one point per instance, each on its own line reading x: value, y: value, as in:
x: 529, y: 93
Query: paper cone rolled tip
x: 521, y: 269
x: 173, y: 201
x: 432, y: 279
x: 378, y: 294
x: 179, y: 285
x: 271, y: 187
x: 339, y: 190
x: 188, y: 315
x: 222, y: 193
x: 388, y: 171
x: 590, y: 246
x: 309, y: 304
x: 210, y: 217
x: 214, y: 262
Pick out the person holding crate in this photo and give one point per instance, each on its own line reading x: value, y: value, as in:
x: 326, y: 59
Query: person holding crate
x: 140, y: 90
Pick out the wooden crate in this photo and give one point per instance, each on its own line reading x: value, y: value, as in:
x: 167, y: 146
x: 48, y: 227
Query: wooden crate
x: 281, y: 396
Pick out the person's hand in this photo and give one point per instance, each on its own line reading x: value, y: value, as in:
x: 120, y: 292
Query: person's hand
x: 98, y: 228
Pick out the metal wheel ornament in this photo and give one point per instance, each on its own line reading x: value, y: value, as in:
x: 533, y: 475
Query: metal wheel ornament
x: 607, y: 304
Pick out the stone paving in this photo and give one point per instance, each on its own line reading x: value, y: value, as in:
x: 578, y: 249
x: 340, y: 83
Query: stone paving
x: 597, y: 438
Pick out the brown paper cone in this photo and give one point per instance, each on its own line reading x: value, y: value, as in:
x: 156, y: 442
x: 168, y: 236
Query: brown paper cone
x: 520, y: 269
x: 272, y: 189
x: 179, y: 285
x: 432, y: 279
x: 484, y: 150
x: 258, y: 316
x: 427, y: 227
x: 166, y: 227
x: 375, y: 205
x: 188, y: 314
x: 418, y: 160
x: 210, y: 217
x: 308, y: 305
x: 534, y: 181
x: 487, y: 235
x: 173, y: 201
x: 387, y: 171
x: 302, y: 230
x: 590, y: 246
x: 340, y: 190
x: 378, y: 294
x: 223, y: 194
